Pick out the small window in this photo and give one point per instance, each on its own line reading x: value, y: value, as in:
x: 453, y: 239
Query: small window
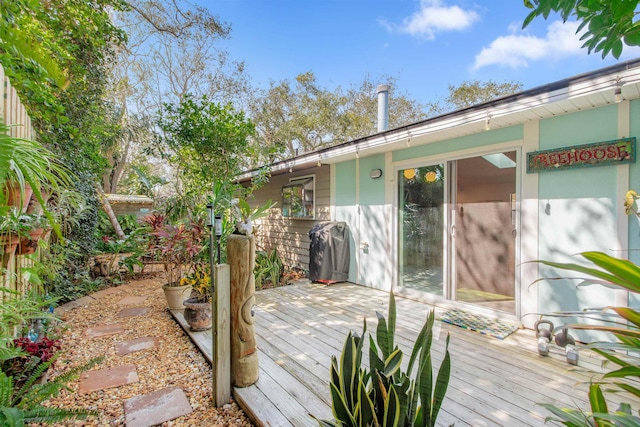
x: 298, y: 199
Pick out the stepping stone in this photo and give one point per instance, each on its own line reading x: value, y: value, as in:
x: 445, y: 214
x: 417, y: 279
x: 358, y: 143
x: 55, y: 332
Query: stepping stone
x: 155, y: 408
x: 107, y: 378
x: 132, y: 300
x: 103, y: 330
x: 138, y: 344
x: 105, y: 292
x: 133, y: 311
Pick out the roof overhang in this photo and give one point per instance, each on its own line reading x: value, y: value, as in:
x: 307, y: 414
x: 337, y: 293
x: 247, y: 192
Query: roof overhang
x: 582, y: 92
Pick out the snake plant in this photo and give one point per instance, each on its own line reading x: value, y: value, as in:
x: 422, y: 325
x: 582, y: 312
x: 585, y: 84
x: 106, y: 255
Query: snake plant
x: 384, y: 394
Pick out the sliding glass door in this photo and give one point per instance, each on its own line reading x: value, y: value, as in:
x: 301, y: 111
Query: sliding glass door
x: 457, y: 230
x: 421, y: 228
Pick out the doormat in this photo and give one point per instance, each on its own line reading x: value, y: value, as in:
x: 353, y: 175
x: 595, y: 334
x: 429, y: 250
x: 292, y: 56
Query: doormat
x: 478, y: 323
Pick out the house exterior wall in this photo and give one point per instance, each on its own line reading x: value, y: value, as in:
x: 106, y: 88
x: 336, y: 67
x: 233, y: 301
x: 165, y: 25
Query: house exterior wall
x: 346, y: 209
x: 586, y: 210
x: 290, y: 237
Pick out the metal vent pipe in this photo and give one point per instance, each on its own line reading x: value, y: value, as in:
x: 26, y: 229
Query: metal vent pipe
x: 383, y: 107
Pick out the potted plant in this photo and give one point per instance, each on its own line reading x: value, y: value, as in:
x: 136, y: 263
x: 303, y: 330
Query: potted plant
x: 198, y: 310
x: 33, y: 228
x: 27, y: 166
x: 179, y: 248
x: 245, y: 215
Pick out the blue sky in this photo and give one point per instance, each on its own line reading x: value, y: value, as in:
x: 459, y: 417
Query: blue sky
x: 427, y: 44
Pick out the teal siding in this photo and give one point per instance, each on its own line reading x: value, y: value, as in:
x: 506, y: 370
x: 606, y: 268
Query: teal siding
x: 577, y: 209
x: 345, y: 210
x: 371, y: 190
x: 346, y: 183
x: 512, y: 133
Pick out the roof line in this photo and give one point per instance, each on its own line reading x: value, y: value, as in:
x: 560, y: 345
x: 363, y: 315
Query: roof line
x: 546, y: 88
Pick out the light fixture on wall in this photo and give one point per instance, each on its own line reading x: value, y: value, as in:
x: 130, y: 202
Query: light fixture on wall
x: 375, y: 173
x: 319, y: 164
x: 487, y: 122
x: 617, y: 92
x: 409, y: 140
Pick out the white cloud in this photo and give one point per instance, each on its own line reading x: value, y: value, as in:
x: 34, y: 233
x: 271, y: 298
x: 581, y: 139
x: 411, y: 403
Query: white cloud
x: 434, y: 17
x: 518, y: 50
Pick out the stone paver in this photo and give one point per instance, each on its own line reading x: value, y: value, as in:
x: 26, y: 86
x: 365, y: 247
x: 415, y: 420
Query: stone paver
x: 103, y: 330
x: 107, y: 378
x: 133, y: 311
x: 105, y: 292
x: 139, y: 344
x: 132, y: 300
x: 156, y: 407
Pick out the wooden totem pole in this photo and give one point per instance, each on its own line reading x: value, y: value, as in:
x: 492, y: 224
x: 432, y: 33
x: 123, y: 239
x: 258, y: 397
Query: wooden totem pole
x: 244, y: 355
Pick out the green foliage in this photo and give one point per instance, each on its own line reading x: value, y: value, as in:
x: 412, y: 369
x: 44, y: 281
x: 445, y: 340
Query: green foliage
x: 16, y: 312
x: 624, y: 324
x: 607, y: 25
x: 386, y: 395
x: 474, y: 92
x: 269, y: 268
x: 206, y: 142
x: 23, y: 404
x: 128, y: 223
x: 301, y: 116
x: 56, y: 55
x: 28, y: 163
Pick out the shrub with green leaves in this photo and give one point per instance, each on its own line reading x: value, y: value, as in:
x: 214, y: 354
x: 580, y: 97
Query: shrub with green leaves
x: 624, y: 324
x: 269, y: 268
x: 384, y: 394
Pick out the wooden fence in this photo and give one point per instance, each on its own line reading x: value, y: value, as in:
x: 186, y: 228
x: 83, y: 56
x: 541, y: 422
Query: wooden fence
x: 14, y: 114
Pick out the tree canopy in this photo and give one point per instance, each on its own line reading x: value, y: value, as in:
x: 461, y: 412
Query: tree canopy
x: 204, y: 141
x: 294, y: 118
x: 473, y: 92
x: 607, y: 25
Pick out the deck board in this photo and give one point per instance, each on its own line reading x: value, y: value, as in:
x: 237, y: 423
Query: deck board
x: 493, y: 382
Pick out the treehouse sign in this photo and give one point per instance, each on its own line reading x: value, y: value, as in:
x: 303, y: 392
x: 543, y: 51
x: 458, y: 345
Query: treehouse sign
x: 617, y: 152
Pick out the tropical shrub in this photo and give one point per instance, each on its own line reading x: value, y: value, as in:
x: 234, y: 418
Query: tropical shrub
x: 384, y: 395
x: 624, y: 353
x: 269, y: 268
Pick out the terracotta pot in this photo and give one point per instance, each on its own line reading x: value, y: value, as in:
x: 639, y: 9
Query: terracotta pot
x: 175, y: 295
x: 28, y: 245
x: 8, y: 245
x: 198, y: 314
x: 12, y: 191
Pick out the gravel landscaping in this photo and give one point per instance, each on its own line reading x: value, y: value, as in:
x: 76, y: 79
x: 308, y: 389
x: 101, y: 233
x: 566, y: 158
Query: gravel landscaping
x: 174, y: 362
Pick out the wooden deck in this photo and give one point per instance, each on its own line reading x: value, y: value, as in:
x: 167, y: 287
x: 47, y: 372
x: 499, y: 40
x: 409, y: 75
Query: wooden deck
x: 493, y: 382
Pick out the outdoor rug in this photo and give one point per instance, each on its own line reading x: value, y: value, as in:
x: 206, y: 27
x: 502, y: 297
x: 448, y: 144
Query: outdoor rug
x: 478, y: 323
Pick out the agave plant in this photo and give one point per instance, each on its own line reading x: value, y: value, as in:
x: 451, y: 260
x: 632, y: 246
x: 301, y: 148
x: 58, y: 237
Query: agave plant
x: 385, y: 395
x: 624, y: 324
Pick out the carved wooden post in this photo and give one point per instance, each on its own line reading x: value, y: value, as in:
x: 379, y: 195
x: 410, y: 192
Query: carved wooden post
x: 244, y: 355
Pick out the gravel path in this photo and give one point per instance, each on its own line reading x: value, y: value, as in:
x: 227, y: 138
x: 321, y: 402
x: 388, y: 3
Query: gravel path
x: 174, y: 362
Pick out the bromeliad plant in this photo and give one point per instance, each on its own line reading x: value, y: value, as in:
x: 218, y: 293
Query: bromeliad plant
x: 624, y: 353
x: 384, y: 395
